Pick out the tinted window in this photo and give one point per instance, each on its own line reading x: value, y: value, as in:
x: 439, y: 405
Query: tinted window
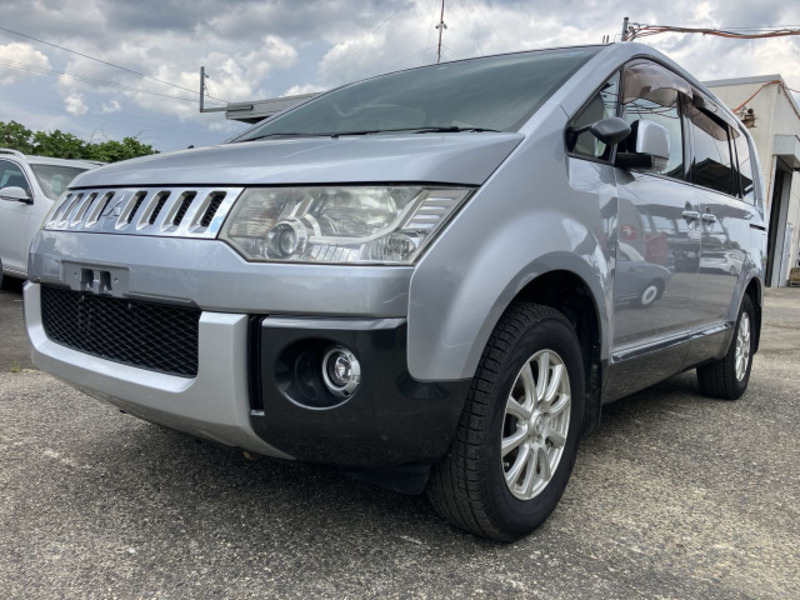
x: 602, y: 105
x: 668, y: 117
x: 712, y: 165
x: 745, y: 167
x: 54, y: 179
x: 11, y: 176
x: 498, y: 92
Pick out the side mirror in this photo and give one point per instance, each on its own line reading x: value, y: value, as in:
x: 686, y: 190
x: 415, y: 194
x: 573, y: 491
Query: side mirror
x: 651, y: 151
x: 15, y: 194
x: 609, y: 131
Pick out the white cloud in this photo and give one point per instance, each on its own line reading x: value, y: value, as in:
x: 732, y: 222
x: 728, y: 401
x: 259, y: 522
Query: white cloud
x: 110, y: 107
x: 305, y: 88
x: 75, y: 105
x: 17, y: 60
x: 314, y: 45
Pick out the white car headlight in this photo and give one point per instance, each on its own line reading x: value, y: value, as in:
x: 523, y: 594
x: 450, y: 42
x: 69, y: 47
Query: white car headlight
x: 354, y: 224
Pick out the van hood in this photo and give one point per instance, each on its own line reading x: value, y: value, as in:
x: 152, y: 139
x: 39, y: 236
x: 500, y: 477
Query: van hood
x: 458, y: 158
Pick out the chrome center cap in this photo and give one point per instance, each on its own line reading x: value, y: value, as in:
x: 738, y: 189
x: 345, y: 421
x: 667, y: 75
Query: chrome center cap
x: 537, y: 424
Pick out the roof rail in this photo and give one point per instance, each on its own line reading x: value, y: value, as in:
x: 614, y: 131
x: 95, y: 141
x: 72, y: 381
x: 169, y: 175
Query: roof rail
x: 10, y: 151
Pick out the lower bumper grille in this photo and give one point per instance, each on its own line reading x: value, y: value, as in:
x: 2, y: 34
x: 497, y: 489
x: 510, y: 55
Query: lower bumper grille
x: 148, y: 335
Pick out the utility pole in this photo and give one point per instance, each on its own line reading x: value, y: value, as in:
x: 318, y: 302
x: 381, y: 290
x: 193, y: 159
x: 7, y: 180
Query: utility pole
x: 625, y: 30
x: 204, y: 91
x: 203, y: 77
x: 441, y: 27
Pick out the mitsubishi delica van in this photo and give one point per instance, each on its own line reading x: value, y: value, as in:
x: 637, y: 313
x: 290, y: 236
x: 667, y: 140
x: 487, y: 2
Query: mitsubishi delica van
x: 434, y: 278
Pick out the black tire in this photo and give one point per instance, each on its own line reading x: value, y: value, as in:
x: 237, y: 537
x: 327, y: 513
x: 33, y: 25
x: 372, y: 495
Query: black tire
x: 718, y: 379
x: 468, y: 487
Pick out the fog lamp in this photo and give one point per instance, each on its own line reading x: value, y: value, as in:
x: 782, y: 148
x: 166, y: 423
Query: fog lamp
x: 341, y: 371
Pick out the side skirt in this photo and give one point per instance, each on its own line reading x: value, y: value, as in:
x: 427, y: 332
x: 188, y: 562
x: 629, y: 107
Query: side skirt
x: 636, y: 368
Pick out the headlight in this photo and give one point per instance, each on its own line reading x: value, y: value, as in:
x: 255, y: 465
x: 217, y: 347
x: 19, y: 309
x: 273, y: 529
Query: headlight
x: 378, y: 225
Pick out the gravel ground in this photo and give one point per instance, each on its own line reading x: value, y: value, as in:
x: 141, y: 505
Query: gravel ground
x: 676, y: 496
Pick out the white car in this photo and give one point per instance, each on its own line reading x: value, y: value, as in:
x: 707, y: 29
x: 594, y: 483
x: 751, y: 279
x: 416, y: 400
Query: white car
x: 728, y: 261
x: 28, y: 187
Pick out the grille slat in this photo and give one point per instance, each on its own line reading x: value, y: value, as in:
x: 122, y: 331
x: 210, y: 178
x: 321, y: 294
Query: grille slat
x: 147, y: 335
x: 196, y: 212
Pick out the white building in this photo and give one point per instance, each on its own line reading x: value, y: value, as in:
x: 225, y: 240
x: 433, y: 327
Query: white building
x: 773, y: 117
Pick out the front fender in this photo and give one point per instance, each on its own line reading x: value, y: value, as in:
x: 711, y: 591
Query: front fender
x: 454, y: 307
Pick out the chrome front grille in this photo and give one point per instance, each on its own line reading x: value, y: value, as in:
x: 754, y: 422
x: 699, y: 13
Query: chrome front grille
x: 196, y: 212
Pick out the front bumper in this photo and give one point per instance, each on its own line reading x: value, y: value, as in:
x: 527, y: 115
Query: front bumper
x: 243, y: 394
x: 214, y: 405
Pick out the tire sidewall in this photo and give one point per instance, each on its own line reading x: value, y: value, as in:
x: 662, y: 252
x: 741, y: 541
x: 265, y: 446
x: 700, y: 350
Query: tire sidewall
x: 747, y: 307
x: 522, y: 516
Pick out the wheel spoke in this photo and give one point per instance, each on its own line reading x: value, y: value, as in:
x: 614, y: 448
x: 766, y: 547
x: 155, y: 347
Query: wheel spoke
x: 517, y: 410
x: 529, y: 385
x: 553, y: 386
x: 544, y: 374
x: 556, y: 437
x: 522, y: 458
x: 544, y: 464
x: 557, y: 407
x: 514, y: 440
x: 531, y: 478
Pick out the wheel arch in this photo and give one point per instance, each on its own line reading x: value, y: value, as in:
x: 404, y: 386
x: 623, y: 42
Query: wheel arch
x: 755, y: 290
x: 571, y: 295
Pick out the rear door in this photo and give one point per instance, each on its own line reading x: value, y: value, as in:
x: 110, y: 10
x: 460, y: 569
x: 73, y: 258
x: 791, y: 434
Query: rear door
x: 14, y: 217
x: 724, y: 189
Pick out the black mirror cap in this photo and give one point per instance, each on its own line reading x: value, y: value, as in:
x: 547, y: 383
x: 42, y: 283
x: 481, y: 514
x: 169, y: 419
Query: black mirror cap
x: 611, y: 130
x: 634, y: 161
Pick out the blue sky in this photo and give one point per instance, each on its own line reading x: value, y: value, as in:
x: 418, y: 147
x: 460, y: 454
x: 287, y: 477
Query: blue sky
x: 258, y: 49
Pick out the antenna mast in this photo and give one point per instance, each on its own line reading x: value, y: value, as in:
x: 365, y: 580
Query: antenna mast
x: 441, y: 27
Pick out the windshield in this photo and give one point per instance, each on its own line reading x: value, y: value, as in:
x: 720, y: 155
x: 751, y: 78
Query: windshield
x: 54, y: 179
x: 498, y: 93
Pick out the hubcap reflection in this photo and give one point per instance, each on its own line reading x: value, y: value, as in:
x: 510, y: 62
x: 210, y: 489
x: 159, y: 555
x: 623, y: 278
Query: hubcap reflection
x: 535, y: 424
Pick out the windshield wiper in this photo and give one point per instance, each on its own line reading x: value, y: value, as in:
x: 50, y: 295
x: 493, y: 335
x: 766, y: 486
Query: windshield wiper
x: 281, y: 134
x: 449, y: 129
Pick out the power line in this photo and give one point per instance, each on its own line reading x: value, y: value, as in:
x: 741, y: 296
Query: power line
x: 105, y: 62
x: 472, y: 25
x: 36, y: 69
x: 355, y: 45
x: 489, y: 23
x: 57, y: 108
x: 637, y: 30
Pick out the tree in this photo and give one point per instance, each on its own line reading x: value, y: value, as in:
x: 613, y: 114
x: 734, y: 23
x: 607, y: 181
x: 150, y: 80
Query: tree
x: 65, y: 145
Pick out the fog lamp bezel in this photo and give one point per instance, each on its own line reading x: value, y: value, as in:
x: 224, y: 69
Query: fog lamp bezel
x: 350, y: 388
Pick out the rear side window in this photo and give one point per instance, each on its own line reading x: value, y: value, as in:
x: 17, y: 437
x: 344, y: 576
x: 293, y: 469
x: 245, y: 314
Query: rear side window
x: 745, y: 167
x: 666, y: 115
x: 601, y: 106
x: 713, y: 165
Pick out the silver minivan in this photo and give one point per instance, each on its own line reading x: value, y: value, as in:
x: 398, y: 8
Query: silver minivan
x: 434, y: 278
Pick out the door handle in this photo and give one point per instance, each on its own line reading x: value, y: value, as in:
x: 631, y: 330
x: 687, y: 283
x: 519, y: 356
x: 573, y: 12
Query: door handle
x: 691, y: 215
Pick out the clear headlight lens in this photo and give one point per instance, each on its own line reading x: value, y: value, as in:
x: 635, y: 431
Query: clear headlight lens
x: 378, y: 225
